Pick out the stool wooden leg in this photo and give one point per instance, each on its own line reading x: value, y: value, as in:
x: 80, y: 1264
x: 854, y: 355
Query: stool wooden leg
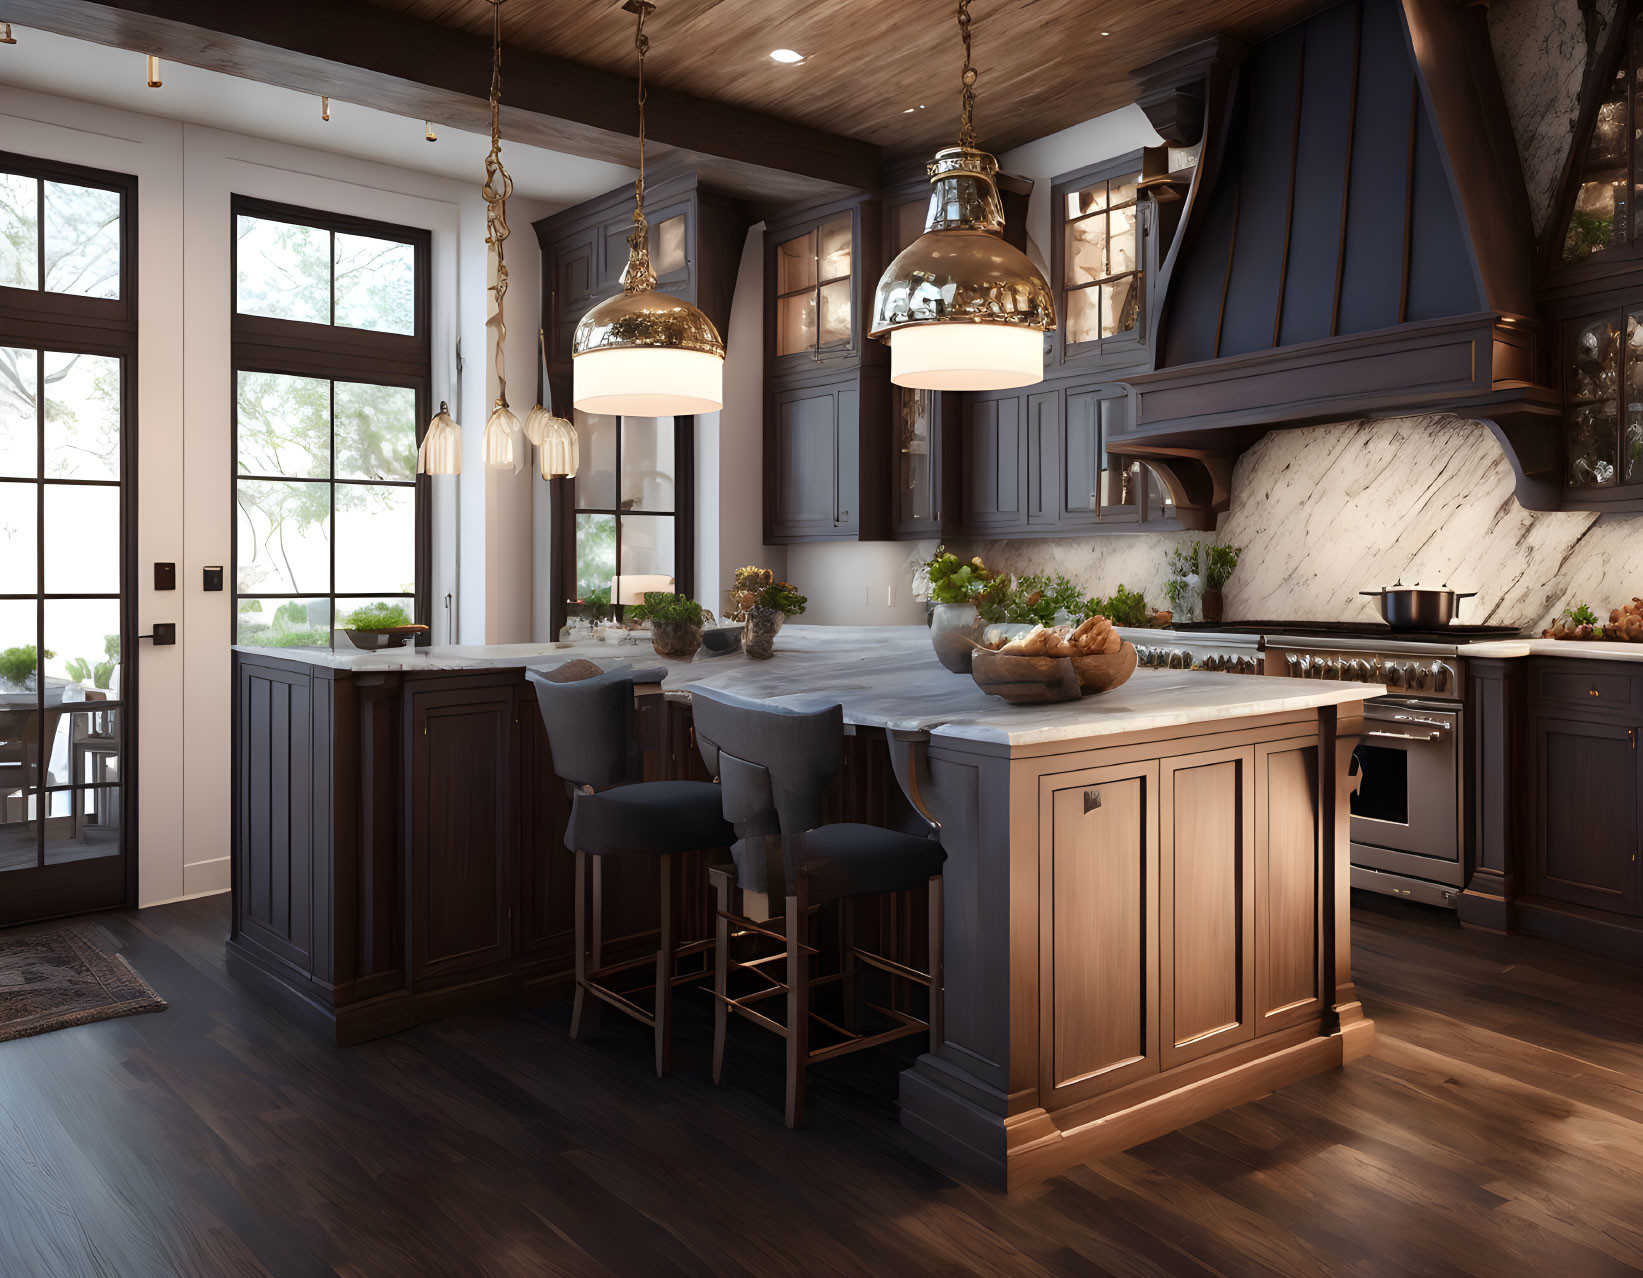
x: 581, y: 915
x: 664, y: 968
x: 936, y: 982
x: 721, y: 973
x: 849, y: 965
x: 798, y: 1005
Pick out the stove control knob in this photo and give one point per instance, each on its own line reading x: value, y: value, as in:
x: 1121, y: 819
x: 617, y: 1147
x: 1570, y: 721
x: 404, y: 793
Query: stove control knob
x: 1332, y: 668
x: 1180, y: 659
x: 1443, y: 677
x: 1394, y: 675
x: 1292, y: 666
x: 1419, y: 676
x: 1246, y: 665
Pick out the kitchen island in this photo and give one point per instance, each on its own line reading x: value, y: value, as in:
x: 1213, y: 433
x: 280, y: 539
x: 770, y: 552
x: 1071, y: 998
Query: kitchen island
x: 1145, y: 897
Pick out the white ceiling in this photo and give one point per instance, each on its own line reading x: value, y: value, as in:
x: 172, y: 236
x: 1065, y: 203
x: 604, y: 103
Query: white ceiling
x: 112, y: 77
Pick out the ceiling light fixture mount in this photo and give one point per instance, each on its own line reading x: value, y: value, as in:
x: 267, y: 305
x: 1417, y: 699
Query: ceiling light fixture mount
x: 6, y: 36
x: 962, y: 309
x: 153, y: 72
x: 643, y: 353
x: 325, y: 108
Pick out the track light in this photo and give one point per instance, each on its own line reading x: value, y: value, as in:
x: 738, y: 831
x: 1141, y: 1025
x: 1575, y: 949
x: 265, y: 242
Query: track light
x: 153, y: 72
x: 6, y: 36
x: 324, y: 107
x: 429, y: 125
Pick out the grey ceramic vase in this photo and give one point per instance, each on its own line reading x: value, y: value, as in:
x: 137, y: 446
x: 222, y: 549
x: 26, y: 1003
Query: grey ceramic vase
x: 955, y: 630
x: 675, y: 638
x: 762, y: 624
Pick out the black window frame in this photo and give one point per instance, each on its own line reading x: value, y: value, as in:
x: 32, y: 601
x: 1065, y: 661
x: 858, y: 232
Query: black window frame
x: 1132, y: 348
x: 68, y: 323
x: 336, y: 353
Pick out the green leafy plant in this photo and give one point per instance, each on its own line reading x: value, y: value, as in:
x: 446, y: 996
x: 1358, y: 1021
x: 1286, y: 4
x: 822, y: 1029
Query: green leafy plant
x: 292, y: 613
x: 1040, y: 598
x: 17, y: 664
x: 1219, y: 562
x: 1581, y: 615
x: 1182, y: 565
x: 665, y: 607
x: 1124, y: 607
x: 952, y: 580
x: 377, y: 616
x: 783, y: 596
x: 1588, y: 233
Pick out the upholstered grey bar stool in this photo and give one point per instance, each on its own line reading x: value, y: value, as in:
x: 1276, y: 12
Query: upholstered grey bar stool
x: 774, y: 766
x: 591, y: 732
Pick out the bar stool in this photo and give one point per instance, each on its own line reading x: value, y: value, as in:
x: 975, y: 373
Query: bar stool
x: 774, y: 765
x: 591, y: 732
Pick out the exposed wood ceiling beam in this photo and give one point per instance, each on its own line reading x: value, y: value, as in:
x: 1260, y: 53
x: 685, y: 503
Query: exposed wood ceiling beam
x: 357, y: 52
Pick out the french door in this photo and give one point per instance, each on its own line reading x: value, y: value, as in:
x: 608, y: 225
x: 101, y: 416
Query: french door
x: 67, y: 462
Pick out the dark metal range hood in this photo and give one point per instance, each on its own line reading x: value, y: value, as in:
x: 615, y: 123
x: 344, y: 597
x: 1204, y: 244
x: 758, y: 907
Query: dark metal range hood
x: 1357, y: 243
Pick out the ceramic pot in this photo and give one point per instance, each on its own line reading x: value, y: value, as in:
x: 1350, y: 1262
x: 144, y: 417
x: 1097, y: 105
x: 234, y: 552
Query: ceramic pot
x: 955, y: 630
x: 675, y: 638
x: 760, y: 638
x: 1210, y: 604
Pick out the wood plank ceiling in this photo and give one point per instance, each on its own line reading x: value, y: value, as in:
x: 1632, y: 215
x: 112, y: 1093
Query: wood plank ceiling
x: 871, y: 65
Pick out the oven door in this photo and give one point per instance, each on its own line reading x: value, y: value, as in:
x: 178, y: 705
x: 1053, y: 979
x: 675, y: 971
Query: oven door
x: 1408, y: 799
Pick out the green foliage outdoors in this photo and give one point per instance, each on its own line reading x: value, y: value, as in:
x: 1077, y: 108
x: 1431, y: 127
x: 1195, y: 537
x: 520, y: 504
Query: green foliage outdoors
x: 18, y: 664
x: 377, y: 616
x: 666, y: 608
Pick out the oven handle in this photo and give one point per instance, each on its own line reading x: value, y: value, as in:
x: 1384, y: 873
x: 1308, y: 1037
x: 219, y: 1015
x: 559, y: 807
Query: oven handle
x: 1435, y: 735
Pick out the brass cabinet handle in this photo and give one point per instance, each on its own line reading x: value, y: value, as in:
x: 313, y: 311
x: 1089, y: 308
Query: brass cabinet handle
x: 1092, y: 800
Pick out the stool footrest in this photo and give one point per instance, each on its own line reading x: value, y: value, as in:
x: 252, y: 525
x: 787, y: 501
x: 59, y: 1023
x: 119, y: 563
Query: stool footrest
x: 891, y: 966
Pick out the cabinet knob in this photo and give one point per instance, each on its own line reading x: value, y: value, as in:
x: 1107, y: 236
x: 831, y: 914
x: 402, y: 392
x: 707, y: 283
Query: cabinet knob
x: 844, y: 515
x: 1092, y: 800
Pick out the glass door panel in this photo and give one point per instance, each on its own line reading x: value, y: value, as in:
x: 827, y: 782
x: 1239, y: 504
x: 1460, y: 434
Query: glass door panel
x: 64, y: 731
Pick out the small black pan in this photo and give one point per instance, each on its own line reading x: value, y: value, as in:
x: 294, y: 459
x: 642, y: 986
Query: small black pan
x: 1412, y: 608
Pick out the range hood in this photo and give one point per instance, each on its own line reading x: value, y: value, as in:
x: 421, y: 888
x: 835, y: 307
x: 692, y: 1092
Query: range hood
x: 1356, y: 243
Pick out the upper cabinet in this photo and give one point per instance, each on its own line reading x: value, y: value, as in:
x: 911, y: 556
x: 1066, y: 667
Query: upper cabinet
x: 820, y: 269
x: 1592, y: 259
x: 1104, y: 261
x: 696, y: 238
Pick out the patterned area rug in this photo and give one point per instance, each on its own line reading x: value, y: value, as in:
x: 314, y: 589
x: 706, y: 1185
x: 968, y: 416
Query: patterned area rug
x: 53, y: 979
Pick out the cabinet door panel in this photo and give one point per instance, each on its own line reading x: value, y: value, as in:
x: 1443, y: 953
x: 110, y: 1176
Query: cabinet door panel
x: 1099, y: 882
x: 807, y: 430
x: 547, y: 868
x: 993, y: 464
x: 1288, y: 953
x: 1207, y: 904
x: 1588, y: 829
x: 1080, y: 477
x: 1044, y: 452
x: 274, y: 868
x: 846, y: 461
x: 463, y: 788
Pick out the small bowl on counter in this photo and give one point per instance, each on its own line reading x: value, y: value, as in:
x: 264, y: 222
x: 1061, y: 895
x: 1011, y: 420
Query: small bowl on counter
x: 1040, y: 678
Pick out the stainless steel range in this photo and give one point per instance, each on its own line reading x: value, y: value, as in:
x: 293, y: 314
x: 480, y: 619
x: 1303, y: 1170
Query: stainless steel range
x: 1408, y: 812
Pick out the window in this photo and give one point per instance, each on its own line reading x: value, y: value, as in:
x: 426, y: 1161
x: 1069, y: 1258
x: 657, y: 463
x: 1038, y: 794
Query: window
x: 813, y: 292
x: 628, y: 506
x: 67, y: 344
x: 1102, y: 266
x: 331, y: 372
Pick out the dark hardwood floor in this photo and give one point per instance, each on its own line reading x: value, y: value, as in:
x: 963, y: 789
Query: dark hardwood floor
x: 1496, y: 1130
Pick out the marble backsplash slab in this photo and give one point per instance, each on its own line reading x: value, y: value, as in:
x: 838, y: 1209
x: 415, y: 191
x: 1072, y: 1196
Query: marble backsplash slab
x: 1324, y: 512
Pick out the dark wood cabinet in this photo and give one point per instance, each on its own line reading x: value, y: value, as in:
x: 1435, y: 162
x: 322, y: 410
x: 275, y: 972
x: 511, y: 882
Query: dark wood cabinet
x: 461, y: 805
x: 995, y: 464
x: 925, y: 428
x: 825, y: 470
x: 821, y: 266
x: 1586, y: 834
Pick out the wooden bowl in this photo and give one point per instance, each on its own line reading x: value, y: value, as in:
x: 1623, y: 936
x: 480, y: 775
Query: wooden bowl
x: 1107, y: 671
x: 1025, y: 681
x: 389, y: 637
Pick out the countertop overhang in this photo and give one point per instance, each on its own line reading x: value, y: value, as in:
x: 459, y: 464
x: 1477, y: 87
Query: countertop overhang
x: 887, y: 677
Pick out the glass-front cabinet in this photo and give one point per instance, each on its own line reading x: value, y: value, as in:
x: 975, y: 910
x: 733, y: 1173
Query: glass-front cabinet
x: 816, y: 274
x: 1101, y: 268
x: 1603, y: 403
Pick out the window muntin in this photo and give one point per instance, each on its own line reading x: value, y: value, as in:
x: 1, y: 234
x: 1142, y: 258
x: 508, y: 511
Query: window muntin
x: 636, y: 533
x: 813, y: 295
x: 1102, y: 275
x: 60, y: 237
x: 294, y: 271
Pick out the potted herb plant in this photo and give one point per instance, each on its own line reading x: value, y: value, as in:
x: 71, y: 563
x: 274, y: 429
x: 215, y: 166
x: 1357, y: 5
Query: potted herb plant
x: 380, y: 625
x: 1219, y: 562
x: 962, y: 593
x: 675, y: 622
x: 772, y: 604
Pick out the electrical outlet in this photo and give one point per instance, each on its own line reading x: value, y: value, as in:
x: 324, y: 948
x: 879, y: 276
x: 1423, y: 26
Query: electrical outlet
x: 890, y: 595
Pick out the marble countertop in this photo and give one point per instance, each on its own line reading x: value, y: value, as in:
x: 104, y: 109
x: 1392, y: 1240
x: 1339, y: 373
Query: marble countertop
x: 888, y: 677
x: 1595, y: 649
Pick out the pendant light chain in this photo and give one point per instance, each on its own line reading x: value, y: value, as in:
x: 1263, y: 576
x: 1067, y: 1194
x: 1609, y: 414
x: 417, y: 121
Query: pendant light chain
x: 638, y: 276
x: 966, y: 127
x: 498, y: 187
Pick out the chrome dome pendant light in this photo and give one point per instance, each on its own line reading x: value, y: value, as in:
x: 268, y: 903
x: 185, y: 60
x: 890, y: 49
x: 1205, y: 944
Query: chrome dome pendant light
x: 961, y: 309
x: 500, y: 448
x: 643, y: 353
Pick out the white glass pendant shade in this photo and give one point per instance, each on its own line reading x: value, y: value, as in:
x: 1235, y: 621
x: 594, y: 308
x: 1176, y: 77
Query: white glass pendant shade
x: 966, y: 357
x: 559, y: 452
x: 500, y: 448
x: 440, y: 452
x: 649, y: 381
x: 535, y: 426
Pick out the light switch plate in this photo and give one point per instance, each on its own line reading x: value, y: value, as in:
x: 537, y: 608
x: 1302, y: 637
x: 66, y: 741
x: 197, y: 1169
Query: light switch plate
x: 213, y: 577
x: 165, y: 576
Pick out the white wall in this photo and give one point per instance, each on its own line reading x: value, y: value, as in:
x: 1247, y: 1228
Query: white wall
x: 870, y: 583
x: 186, y: 175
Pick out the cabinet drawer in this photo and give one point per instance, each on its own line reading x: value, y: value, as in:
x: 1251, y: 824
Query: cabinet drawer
x: 1595, y: 685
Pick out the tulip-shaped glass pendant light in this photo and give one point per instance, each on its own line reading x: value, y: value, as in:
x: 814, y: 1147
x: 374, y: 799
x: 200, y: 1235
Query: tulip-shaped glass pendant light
x: 440, y: 452
x: 558, y: 450
x: 644, y: 353
x: 961, y: 309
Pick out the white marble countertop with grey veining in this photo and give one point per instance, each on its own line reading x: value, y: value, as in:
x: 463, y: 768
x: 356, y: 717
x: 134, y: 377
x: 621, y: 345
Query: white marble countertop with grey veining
x: 888, y: 677
x: 1589, y: 649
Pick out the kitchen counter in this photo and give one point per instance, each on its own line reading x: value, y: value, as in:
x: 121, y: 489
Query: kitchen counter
x: 1590, y: 650
x: 1145, y: 894
x: 887, y: 677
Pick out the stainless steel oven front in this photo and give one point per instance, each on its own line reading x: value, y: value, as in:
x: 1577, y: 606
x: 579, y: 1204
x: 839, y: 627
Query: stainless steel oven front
x: 1406, y: 812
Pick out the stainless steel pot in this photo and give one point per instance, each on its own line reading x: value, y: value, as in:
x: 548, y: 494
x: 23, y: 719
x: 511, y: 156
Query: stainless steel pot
x: 1412, y: 608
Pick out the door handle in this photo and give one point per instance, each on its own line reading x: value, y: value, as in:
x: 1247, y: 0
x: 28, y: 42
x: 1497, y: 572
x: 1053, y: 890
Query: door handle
x: 1092, y: 800
x: 165, y: 633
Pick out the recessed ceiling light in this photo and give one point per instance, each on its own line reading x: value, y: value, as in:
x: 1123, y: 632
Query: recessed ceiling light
x: 1106, y: 33
x: 786, y: 55
x: 909, y: 110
